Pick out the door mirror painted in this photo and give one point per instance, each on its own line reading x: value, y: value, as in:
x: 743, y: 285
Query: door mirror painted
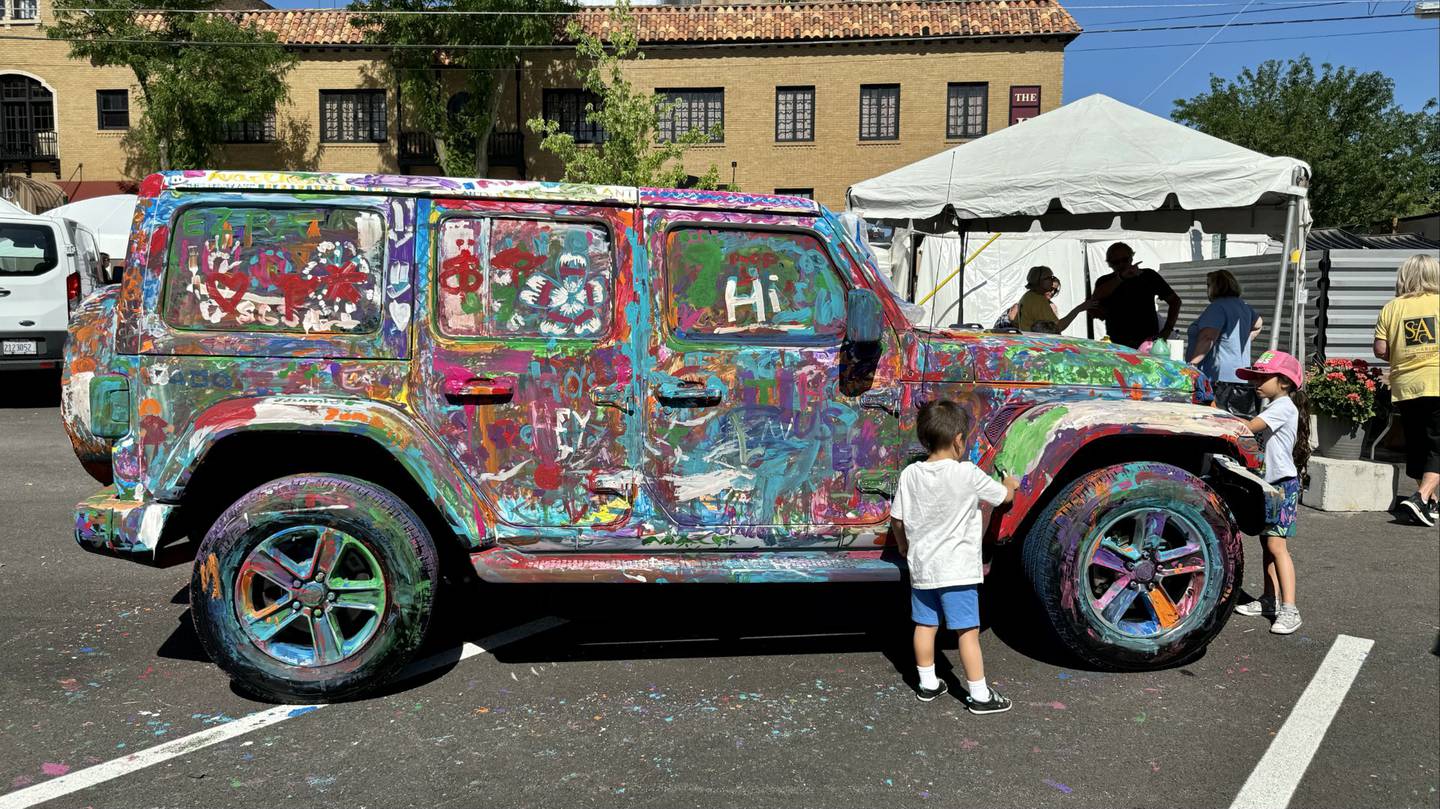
x: 864, y: 320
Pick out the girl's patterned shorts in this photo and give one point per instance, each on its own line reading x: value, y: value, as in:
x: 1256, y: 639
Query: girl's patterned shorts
x: 1285, y: 525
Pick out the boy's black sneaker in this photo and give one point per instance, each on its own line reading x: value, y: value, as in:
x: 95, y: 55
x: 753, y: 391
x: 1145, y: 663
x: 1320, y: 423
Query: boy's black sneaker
x: 1418, y: 510
x: 996, y: 703
x: 929, y: 694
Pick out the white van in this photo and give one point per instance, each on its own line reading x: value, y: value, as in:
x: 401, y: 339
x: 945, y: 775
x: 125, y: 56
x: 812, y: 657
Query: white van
x: 47, y: 266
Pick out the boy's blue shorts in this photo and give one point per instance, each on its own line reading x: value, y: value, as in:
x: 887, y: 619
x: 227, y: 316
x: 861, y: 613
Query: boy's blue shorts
x: 959, y: 604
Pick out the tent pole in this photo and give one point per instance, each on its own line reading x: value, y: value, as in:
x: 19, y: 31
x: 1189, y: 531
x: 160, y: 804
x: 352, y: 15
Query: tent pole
x: 1297, y: 306
x: 1292, y: 212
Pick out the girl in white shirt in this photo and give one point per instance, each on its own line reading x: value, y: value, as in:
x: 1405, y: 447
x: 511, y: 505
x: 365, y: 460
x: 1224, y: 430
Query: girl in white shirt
x: 1284, y: 426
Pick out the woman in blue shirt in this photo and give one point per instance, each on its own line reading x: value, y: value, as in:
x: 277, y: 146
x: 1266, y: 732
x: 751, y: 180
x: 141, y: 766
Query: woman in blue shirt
x: 1218, y: 343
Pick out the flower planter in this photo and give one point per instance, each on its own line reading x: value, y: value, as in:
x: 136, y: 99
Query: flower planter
x: 1340, y: 439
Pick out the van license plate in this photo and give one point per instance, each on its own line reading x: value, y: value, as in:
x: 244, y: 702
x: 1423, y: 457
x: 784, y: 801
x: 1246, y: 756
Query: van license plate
x: 19, y: 347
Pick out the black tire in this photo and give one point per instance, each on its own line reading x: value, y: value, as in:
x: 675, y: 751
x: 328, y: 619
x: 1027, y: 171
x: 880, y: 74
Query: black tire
x: 1104, y: 499
x: 390, y: 544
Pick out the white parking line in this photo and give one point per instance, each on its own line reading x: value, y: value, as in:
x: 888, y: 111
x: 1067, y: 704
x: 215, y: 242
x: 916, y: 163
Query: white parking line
x: 100, y: 773
x: 1273, y: 781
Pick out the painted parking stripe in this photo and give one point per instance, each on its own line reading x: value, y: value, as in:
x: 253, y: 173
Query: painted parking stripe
x: 110, y: 770
x: 1275, y: 777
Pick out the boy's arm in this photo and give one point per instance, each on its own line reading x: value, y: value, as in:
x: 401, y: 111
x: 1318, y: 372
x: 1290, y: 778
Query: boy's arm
x: 1011, y: 484
x: 897, y: 530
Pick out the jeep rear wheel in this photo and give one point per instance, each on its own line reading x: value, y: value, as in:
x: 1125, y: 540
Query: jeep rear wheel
x: 1136, y: 565
x: 314, y: 587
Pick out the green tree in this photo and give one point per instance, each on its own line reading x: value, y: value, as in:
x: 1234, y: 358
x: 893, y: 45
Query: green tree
x: 1371, y: 160
x: 631, y: 152
x: 450, y: 58
x: 197, y: 73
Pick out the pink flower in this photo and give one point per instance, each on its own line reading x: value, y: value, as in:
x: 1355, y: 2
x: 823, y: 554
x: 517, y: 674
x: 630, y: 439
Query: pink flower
x: 1335, y: 376
x: 1360, y: 365
x: 1369, y: 384
x: 1354, y: 397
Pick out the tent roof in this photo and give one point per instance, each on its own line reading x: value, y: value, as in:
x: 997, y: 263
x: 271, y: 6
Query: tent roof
x: 1081, y: 165
x: 109, y: 217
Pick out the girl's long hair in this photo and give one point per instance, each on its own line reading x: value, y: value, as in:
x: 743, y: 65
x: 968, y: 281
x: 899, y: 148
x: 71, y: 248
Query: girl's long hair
x: 1301, y: 451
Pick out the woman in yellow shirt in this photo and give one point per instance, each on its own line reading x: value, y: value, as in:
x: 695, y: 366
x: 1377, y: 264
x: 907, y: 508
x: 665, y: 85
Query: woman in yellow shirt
x: 1406, y: 336
x: 1036, y: 310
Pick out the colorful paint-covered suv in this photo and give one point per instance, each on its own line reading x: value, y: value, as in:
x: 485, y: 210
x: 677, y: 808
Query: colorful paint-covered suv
x: 335, y: 383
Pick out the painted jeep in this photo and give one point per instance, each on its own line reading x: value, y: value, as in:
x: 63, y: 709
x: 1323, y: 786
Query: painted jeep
x: 346, y: 386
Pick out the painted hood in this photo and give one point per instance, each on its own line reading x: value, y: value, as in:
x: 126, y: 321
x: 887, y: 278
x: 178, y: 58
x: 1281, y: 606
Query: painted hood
x: 964, y: 356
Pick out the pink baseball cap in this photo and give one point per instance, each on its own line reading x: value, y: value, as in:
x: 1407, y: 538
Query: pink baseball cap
x: 1275, y: 362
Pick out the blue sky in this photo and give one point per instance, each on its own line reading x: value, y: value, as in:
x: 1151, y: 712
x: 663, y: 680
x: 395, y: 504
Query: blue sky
x: 1130, y: 66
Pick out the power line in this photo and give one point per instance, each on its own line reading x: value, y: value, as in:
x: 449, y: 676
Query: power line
x: 1194, y: 54
x: 709, y: 45
x: 642, y: 66
x: 1261, y: 39
x: 728, y: 11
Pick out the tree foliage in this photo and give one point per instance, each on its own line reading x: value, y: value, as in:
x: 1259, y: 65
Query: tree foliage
x: 630, y: 151
x: 197, y: 73
x: 450, y: 66
x: 1370, y: 159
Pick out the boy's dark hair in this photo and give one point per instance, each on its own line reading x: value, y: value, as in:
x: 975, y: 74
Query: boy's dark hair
x: 940, y: 422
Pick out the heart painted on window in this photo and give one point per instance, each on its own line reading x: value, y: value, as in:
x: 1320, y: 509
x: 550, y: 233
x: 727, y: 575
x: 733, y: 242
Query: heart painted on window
x: 237, y: 280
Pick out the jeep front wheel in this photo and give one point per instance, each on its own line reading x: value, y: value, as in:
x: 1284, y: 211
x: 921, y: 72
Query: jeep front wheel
x: 314, y: 587
x: 1136, y: 565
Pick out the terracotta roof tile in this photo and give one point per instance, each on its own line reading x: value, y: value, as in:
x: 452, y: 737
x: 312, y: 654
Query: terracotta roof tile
x: 779, y: 22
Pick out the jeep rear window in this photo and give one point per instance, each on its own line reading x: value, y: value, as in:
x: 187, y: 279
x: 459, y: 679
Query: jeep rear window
x: 27, y: 249
x: 314, y: 270
x: 726, y: 283
x: 524, y: 278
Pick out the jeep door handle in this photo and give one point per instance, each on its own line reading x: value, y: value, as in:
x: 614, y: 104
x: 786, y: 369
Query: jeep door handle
x: 500, y: 388
x: 687, y: 393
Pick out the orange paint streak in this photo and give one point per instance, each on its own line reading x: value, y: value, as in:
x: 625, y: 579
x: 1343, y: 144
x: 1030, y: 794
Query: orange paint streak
x: 1164, y: 608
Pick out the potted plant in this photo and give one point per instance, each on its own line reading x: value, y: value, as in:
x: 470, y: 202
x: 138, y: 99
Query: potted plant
x: 1342, y: 396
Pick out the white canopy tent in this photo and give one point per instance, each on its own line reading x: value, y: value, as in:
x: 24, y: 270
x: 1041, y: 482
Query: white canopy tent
x: 1098, y: 164
x: 108, y: 217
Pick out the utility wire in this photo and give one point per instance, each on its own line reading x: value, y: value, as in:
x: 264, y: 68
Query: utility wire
x: 1193, y: 54
x: 729, y: 11
x: 708, y: 45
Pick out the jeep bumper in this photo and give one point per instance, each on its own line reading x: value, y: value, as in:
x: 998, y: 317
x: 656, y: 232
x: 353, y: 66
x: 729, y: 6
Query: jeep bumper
x: 1253, y: 502
x: 105, y: 523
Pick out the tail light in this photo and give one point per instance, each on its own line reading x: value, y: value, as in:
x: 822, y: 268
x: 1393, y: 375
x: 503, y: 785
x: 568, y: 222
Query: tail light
x: 72, y: 291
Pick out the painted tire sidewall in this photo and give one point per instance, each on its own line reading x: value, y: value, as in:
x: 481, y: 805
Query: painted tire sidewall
x: 1101, y: 495
x: 270, y: 510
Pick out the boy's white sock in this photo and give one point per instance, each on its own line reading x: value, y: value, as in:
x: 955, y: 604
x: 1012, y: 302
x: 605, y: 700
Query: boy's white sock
x: 928, y: 680
x: 979, y: 691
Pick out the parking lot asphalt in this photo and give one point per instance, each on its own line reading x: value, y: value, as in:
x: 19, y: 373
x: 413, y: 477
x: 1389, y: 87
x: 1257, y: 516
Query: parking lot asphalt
x: 779, y: 695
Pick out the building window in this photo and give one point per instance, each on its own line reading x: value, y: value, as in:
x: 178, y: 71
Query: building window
x: 112, y: 109
x: 879, y: 112
x: 353, y: 116
x: 257, y: 130
x: 566, y: 107
x: 966, y: 107
x: 794, y: 114
x: 19, y: 10
x: 807, y: 193
x: 1024, y: 103
x: 27, y: 119
x: 694, y: 109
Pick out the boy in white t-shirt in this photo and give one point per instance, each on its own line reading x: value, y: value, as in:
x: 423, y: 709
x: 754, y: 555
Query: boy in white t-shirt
x: 937, y: 524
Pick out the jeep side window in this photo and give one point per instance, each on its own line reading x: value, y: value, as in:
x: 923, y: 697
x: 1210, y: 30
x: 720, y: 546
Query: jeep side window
x: 524, y: 278
x: 751, y: 283
x: 314, y: 270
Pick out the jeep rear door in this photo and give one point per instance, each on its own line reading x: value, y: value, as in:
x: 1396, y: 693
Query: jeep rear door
x: 756, y: 419
x: 521, y: 370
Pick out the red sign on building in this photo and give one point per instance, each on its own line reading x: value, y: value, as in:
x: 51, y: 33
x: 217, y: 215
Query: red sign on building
x: 1024, y: 102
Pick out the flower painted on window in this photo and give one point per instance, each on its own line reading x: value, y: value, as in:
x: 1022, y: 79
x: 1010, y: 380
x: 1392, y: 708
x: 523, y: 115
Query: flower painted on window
x: 573, y: 302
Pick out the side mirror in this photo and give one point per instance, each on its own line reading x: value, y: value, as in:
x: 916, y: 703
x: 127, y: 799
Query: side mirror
x: 864, y: 319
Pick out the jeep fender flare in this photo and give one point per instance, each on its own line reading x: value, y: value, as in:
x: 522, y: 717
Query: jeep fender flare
x: 427, y: 463
x: 1038, y: 444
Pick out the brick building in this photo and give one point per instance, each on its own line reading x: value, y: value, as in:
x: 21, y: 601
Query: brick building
x: 812, y: 97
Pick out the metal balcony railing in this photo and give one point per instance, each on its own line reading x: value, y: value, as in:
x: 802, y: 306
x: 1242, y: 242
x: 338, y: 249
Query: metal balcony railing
x: 43, y: 145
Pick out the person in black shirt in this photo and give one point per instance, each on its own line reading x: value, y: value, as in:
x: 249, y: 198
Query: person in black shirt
x: 1125, y: 300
